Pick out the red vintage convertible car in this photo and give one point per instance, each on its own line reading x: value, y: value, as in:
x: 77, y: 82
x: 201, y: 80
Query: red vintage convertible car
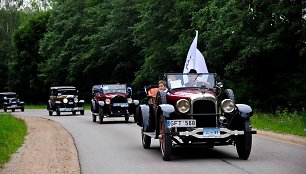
x: 112, y: 100
x: 195, y: 110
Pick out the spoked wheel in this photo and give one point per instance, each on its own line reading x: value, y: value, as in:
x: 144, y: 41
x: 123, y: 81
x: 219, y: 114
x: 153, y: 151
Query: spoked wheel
x: 244, y: 142
x: 94, y: 117
x: 165, y: 140
x: 101, y: 115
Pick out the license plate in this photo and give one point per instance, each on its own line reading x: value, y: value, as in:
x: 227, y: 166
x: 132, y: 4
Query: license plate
x: 121, y: 104
x: 181, y: 123
x: 211, y: 132
x: 70, y: 103
x: 68, y: 109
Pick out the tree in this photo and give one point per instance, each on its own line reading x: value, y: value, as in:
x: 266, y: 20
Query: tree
x: 26, y: 40
x: 259, y: 46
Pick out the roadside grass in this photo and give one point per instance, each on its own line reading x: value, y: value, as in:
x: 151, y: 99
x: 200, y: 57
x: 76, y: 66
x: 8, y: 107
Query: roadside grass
x: 282, y: 122
x: 12, y: 133
x: 30, y: 106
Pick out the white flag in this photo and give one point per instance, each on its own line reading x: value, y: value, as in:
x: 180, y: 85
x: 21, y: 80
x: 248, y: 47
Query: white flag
x: 195, y: 59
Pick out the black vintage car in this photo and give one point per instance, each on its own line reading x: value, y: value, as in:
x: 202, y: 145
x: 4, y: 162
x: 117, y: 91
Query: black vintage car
x: 64, y: 99
x: 9, y: 100
x: 195, y: 111
x: 112, y: 100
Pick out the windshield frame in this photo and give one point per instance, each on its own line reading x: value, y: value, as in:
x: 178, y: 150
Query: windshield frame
x: 179, y: 80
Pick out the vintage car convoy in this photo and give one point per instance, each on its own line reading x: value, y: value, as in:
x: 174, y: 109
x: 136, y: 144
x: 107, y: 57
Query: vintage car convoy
x: 10, y: 101
x: 112, y: 100
x: 195, y: 111
x: 64, y: 99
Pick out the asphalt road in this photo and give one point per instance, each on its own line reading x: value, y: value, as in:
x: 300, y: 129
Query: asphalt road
x: 115, y: 147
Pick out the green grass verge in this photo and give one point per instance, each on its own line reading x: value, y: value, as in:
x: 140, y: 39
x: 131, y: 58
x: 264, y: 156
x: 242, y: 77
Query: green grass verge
x: 12, y: 133
x: 281, y: 122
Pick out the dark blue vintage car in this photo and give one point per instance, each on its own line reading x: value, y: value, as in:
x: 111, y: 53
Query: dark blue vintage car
x: 10, y: 101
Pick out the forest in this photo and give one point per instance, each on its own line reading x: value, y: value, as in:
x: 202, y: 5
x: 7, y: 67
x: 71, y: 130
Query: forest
x: 257, y: 48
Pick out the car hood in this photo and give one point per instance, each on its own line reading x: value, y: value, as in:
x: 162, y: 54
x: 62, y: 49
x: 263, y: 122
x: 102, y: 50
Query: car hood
x: 187, y: 93
x: 112, y: 95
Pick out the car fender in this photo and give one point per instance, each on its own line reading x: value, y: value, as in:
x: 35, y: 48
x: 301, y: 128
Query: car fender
x: 81, y: 101
x: 245, y: 111
x: 166, y: 109
x: 145, y: 114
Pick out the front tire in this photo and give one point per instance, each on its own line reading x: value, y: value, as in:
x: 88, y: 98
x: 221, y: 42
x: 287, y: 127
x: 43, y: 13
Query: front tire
x: 165, y: 140
x: 244, y: 142
x: 101, y: 115
x: 82, y: 112
x: 58, y: 112
x: 50, y: 113
x: 126, y: 118
x: 94, y: 118
x: 146, y: 140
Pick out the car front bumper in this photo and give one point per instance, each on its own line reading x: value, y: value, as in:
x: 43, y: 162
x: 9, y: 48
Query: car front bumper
x: 72, y: 109
x: 14, y: 107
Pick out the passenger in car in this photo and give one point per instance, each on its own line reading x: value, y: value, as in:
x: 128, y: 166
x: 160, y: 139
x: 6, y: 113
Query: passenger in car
x: 152, y: 91
x: 162, y: 86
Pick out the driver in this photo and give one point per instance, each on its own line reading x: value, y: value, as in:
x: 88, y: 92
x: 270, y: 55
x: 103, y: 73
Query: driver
x: 193, y: 80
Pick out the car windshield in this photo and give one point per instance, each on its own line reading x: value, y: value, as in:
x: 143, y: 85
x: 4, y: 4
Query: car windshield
x: 67, y: 92
x: 114, y: 88
x: 10, y: 96
x: 183, y: 80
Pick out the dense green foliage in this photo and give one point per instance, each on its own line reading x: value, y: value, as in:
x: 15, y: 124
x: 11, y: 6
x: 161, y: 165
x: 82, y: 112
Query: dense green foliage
x: 12, y: 135
x: 258, y: 48
x: 281, y: 122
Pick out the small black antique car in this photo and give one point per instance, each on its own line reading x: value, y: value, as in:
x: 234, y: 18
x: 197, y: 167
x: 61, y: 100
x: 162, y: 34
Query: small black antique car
x: 9, y: 100
x: 195, y: 111
x: 112, y: 100
x: 64, y: 99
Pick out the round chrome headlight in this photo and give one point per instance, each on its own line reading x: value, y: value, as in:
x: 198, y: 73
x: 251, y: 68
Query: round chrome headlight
x: 65, y: 100
x: 107, y: 101
x: 182, y: 105
x: 76, y: 100
x: 228, y: 105
x: 129, y: 100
